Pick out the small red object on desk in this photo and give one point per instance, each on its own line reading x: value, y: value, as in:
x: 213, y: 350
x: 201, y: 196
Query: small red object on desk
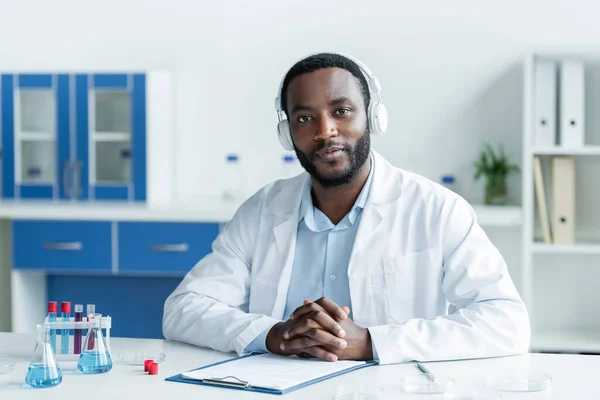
x: 153, y: 368
x: 146, y: 363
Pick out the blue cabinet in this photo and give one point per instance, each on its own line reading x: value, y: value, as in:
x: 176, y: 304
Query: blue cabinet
x: 110, y: 247
x: 121, y: 267
x: 62, y: 245
x: 170, y: 248
x: 73, y: 136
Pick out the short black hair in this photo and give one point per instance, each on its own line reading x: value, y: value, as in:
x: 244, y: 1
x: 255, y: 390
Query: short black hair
x: 320, y: 61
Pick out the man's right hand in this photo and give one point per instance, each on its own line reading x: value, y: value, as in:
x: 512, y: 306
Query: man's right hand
x: 324, y: 331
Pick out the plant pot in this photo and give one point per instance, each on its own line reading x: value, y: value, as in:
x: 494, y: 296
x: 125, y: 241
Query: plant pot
x: 496, y: 191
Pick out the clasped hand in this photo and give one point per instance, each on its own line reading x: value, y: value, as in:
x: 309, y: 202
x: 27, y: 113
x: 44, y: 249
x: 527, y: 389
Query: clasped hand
x: 323, y: 330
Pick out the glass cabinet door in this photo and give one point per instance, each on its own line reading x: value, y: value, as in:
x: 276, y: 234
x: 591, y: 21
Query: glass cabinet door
x: 35, y: 136
x: 110, y: 145
x: 35, y: 126
x: 111, y: 135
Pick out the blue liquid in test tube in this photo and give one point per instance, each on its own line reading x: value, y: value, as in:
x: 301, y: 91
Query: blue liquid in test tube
x: 52, y: 309
x: 64, y: 334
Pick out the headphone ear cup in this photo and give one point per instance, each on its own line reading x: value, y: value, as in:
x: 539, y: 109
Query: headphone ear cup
x: 284, y: 135
x: 378, y: 118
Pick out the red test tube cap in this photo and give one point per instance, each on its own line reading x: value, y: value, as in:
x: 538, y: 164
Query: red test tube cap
x: 146, y: 364
x: 52, y: 306
x: 153, y: 368
x: 65, y: 306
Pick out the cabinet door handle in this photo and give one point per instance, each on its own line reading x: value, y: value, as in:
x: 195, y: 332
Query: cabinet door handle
x: 170, y: 248
x: 66, y: 183
x: 64, y: 246
x: 77, y: 179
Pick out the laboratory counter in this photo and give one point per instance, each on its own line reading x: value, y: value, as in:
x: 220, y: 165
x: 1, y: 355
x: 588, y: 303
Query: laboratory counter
x: 573, y: 376
x: 207, y: 209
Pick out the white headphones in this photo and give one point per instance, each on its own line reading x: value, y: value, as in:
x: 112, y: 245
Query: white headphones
x: 376, y: 113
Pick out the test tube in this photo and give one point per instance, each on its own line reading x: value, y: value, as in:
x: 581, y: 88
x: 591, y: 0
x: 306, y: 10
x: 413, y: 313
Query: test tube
x: 91, y: 310
x: 77, y: 335
x: 64, y: 334
x: 52, y: 310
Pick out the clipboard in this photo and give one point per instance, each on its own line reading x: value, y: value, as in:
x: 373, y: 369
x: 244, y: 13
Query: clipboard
x: 233, y: 382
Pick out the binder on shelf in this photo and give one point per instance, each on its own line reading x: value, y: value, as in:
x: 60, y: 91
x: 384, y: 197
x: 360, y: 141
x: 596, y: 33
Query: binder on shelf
x: 572, y: 104
x: 545, y: 102
x: 563, y: 199
x: 540, y: 193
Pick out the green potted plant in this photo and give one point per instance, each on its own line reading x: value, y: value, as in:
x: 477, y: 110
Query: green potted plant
x: 495, y: 168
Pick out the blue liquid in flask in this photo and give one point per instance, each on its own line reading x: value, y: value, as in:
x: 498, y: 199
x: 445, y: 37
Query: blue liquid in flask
x: 95, y: 359
x: 43, y: 371
x: 42, y: 376
x: 94, y: 362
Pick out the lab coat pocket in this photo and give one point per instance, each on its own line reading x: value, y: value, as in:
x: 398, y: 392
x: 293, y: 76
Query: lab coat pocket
x: 412, y: 284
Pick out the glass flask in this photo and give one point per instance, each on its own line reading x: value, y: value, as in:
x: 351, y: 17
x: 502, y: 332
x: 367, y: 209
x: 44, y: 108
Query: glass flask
x: 43, y: 371
x: 95, y: 357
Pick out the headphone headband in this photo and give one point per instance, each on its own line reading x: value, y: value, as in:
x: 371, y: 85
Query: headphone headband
x: 372, y: 81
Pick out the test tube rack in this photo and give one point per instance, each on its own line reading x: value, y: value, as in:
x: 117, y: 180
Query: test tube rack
x: 57, y: 328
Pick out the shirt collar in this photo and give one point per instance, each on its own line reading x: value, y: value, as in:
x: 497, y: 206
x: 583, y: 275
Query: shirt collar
x: 307, y: 208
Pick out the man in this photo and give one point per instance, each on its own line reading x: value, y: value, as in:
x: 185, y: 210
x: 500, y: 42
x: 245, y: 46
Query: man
x: 355, y: 259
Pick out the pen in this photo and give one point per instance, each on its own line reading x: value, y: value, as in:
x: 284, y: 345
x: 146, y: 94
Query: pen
x: 426, y: 371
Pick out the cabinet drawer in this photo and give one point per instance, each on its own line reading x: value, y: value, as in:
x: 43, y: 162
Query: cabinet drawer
x: 62, y: 245
x: 164, y: 247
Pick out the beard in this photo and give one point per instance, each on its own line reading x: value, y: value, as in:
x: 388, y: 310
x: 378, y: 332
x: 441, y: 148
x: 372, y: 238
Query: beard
x: 357, y: 155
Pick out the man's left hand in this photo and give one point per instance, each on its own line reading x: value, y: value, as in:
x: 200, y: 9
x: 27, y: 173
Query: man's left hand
x: 358, y: 339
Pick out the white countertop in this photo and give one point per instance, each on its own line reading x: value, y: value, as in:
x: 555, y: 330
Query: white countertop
x: 204, y: 210
x: 208, y: 210
x: 574, y: 376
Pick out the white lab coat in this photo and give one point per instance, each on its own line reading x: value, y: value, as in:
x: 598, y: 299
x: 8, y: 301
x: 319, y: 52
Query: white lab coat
x: 424, y: 277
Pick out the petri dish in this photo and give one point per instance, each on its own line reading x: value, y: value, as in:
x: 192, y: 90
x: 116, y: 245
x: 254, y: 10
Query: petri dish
x: 7, y: 365
x: 137, y: 359
x: 358, y: 392
x: 427, y: 383
x: 477, y: 393
x: 532, y: 383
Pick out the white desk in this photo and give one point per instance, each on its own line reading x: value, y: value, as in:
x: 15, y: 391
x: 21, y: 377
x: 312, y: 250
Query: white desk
x: 574, y: 377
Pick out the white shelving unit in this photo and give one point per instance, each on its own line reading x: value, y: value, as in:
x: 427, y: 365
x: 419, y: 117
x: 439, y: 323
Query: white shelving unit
x: 566, y: 340
x: 499, y: 216
x: 559, y: 279
x: 578, y: 248
x: 581, y: 151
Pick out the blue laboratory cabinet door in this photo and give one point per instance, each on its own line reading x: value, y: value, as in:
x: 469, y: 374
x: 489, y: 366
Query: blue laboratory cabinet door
x: 111, y: 136
x: 35, y: 135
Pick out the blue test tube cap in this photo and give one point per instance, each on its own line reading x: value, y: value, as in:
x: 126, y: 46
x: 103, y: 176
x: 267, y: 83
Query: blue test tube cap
x: 449, y: 179
x: 288, y: 158
x: 34, y: 171
x: 232, y: 158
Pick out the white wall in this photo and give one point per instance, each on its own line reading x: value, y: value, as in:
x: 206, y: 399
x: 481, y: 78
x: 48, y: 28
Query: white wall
x: 451, y: 71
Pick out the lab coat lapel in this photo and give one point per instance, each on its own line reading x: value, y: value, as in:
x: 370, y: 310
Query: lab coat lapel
x: 284, y: 238
x: 283, y: 213
x: 385, y: 190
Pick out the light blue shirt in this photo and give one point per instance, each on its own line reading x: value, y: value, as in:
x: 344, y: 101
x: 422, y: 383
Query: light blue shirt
x: 321, y: 258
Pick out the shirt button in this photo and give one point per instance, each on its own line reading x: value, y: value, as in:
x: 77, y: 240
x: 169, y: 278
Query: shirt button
x: 332, y: 277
